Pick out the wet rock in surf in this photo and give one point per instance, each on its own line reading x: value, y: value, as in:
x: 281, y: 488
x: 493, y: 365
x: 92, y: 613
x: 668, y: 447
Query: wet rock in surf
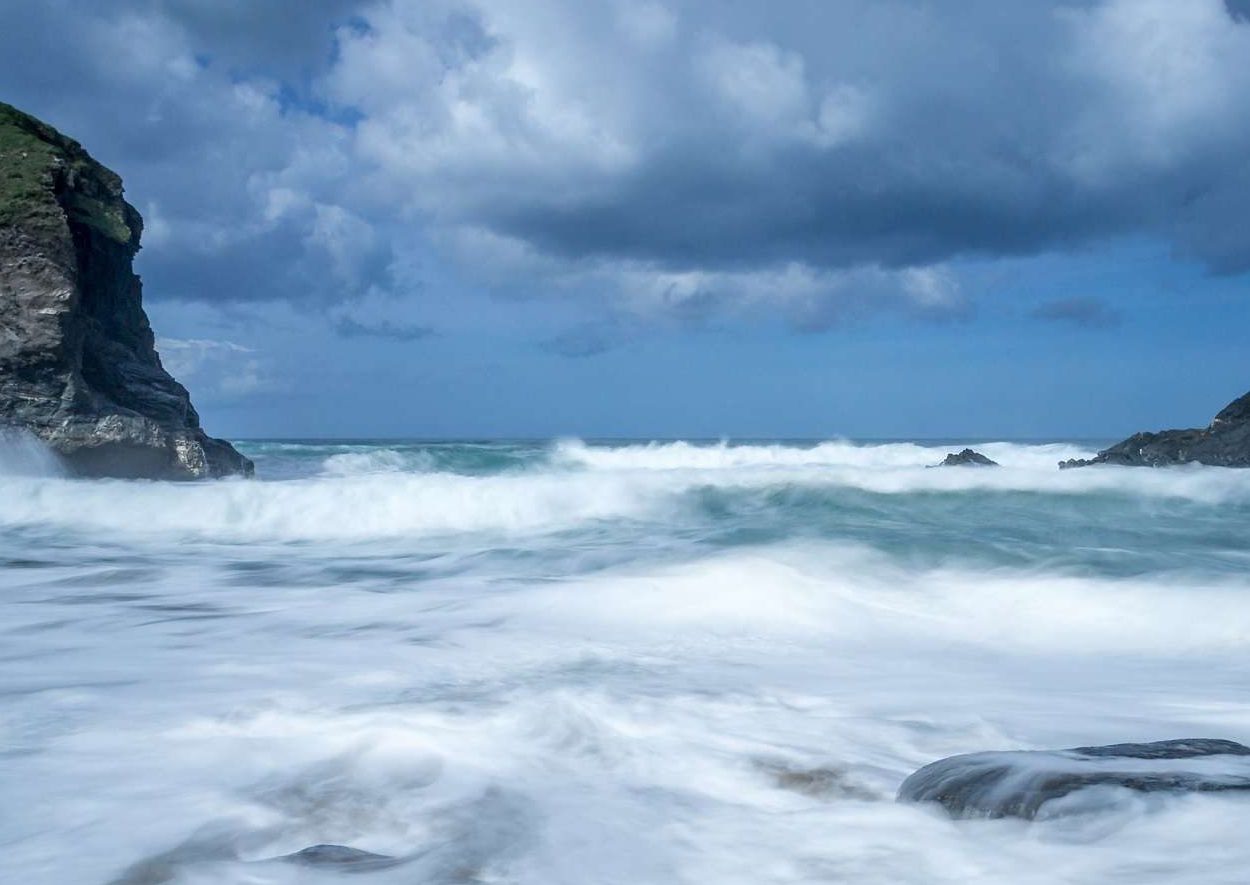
x: 967, y: 458
x: 823, y: 782
x: 215, y: 854
x: 1225, y: 442
x: 1020, y: 783
x: 340, y: 857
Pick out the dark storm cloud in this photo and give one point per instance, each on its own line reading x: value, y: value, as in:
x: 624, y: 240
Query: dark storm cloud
x: 639, y: 148
x: 860, y: 206
x: 1078, y: 311
x: 270, y: 36
x: 836, y: 135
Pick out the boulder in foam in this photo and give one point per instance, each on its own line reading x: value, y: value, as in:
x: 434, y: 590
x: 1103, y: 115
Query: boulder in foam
x: 1022, y: 783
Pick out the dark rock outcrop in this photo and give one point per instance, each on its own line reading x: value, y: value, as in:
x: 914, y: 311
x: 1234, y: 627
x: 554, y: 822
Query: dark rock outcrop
x: 1225, y: 443
x: 78, y: 364
x: 967, y: 458
x: 1018, y: 784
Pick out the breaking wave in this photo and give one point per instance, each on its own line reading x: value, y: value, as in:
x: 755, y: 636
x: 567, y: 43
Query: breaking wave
x: 383, y: 492
x: 681, y: 455
x: 21, y: 454
x: 538, y: 662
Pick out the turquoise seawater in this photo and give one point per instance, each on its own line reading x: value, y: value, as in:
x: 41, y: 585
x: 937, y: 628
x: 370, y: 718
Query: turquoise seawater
x: 609, y: 662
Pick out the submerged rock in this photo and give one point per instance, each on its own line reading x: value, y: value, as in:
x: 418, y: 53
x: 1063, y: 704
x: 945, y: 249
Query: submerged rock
x: 1018, y: 784
x: 341, y: 857
x: 217, y: 853
x: 78, y: 364
x: 968, y: 458
x: 823, y: 782
x: 1224, y: 443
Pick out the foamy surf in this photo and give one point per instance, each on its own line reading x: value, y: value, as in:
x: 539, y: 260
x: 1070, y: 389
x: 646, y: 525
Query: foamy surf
x: 682, y: 455
x: 380, y: 492
x: 621, y: 663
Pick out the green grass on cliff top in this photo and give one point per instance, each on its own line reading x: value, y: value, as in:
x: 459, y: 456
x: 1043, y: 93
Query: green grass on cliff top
x: 29, y: 152
x: 25, y: 173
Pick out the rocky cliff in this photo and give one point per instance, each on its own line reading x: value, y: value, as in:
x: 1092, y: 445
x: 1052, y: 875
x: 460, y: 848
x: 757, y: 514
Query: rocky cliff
x: 1225, y: 443
x: 78, y: 363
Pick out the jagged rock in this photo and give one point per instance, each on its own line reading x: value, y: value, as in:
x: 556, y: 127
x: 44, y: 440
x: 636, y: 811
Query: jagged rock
x: 1225, y: 443
x: 78, y: 364
x: 1018, y: 784
x: 967, y: 458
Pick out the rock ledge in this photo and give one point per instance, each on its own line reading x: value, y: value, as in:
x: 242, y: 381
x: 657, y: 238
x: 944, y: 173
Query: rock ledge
x: 1224, y: 443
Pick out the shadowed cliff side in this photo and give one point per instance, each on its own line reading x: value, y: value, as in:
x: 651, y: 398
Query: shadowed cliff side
x: 78, y: 363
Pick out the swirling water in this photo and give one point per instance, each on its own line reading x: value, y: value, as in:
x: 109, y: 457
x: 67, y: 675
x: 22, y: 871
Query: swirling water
x: 570, y: 662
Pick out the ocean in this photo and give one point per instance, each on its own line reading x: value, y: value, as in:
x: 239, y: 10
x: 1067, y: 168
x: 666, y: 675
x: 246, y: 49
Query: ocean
x: 609, y: 662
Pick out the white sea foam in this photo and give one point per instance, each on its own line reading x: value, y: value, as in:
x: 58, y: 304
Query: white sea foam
x: 902, y: 468
x: 681, y: 455
x: 585, y: 671
x: 386, y: 494
x: 355, y: 507
x: 21, y: 454
x: 654, y: 725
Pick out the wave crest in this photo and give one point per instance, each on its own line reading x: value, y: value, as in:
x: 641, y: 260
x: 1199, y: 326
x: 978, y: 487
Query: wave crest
x: 397, y: 493
x: 682, y: 455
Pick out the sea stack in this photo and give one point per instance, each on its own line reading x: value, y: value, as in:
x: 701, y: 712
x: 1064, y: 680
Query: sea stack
x: 967, y: 458
x: 1223, y: 443
x: 78, y: 362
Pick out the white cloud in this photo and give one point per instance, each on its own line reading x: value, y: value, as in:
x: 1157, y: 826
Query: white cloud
x: 1168, y: 80
x: 222, y: 368
x: 762, y: 82
x: 845, y: 113
x: 457, y: 123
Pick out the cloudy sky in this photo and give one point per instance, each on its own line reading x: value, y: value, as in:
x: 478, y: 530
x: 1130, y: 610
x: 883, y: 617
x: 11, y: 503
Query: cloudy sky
x: 673, y: 217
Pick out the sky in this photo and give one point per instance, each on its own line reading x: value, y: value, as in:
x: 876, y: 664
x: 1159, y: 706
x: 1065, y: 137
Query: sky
x: 673, y: 218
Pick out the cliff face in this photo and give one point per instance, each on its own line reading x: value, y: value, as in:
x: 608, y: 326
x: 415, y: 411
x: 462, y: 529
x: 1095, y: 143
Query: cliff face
x: 78, y: 363
x: 1224, y: 443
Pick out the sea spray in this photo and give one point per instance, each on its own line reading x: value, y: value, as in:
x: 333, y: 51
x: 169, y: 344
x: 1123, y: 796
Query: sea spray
x: 626, y: 663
